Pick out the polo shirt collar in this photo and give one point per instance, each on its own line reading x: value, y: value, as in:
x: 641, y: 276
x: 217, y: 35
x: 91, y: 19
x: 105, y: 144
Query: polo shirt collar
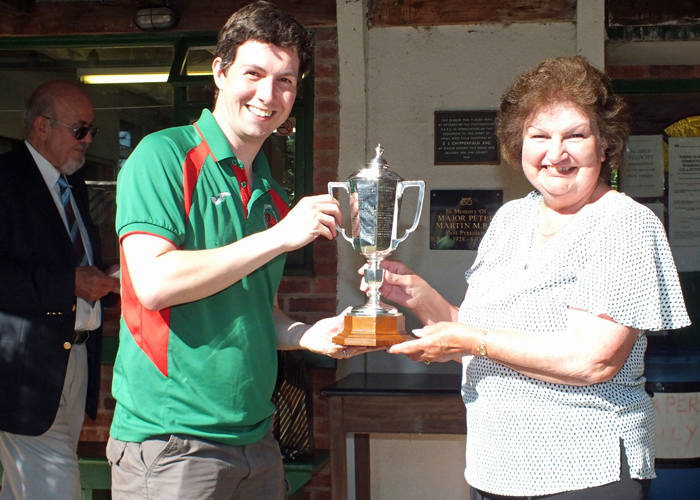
x: 215, y: 137
x: 221, y: 149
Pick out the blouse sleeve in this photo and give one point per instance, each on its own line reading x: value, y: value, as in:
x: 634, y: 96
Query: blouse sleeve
x: 630, y: 274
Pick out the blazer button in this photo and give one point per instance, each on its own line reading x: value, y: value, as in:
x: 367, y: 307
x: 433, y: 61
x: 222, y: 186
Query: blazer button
x: 67, y: 345
x: 73, y: 308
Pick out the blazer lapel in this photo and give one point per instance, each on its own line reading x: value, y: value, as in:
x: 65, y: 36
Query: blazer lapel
x: 42, y: 203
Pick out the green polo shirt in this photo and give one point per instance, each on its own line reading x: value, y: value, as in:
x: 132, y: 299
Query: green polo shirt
x: 205, y: 368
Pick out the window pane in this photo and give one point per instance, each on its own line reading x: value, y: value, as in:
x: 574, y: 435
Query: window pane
x: 198, y: 61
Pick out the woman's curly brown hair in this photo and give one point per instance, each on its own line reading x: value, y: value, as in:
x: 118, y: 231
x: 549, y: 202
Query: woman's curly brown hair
x: 568, y: 80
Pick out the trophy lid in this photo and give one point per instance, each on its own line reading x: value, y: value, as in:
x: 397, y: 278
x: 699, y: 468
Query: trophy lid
x: 377, y: 169
x: 378, y: 161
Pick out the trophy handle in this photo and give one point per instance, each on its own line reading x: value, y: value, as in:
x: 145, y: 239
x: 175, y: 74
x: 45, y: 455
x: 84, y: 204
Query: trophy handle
x: 421, y: 192
x: 345, y: 186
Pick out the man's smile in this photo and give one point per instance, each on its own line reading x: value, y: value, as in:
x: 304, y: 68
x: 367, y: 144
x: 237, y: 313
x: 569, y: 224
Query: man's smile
x: 259, y: 112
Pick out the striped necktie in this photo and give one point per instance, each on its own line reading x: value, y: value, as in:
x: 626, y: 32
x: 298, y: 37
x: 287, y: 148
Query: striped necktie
x: 73, y: 228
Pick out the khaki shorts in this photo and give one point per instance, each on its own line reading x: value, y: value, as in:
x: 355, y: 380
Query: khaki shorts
x: 178, y: 467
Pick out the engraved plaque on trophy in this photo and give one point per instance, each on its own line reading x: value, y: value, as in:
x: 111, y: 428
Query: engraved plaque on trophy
x: 375, y: 199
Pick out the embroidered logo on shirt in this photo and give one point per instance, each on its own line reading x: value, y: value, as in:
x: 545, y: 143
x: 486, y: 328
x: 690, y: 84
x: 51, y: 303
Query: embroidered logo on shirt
x: 220, y: 198
x: 270, y: 217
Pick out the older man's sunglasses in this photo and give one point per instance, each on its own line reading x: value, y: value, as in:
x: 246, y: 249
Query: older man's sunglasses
x: 80, y: 132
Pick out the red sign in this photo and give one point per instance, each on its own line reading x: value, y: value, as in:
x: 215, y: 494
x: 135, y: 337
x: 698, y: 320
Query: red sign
x: 286, y: 128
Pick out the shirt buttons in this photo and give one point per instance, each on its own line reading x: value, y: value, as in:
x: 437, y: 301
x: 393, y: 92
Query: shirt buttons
x: 67, y: 345
x: 244, y: 184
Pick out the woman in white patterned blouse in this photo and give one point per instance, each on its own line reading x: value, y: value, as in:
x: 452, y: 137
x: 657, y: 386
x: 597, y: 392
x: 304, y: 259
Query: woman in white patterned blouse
x: 566, y: 281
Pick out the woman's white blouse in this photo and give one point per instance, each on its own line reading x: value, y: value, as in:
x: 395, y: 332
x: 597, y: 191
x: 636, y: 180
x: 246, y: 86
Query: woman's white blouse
x: 528, y: 437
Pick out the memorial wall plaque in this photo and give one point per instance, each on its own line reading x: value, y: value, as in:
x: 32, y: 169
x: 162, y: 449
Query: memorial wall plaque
x: 459, y: 218
x: 466, y: 138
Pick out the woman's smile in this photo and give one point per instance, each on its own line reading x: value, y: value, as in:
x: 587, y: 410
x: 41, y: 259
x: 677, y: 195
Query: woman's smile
x: 559, y: 170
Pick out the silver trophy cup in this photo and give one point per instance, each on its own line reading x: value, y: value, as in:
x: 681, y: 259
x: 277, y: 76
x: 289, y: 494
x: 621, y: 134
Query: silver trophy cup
x: 375, y: 201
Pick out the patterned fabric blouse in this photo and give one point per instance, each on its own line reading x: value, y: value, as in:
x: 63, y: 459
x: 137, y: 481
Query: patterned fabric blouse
x: 528, y: 437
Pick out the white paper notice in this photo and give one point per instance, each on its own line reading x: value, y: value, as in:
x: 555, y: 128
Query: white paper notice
x: 642, y: 172
x: 684, y: 202
x: 677, y: 424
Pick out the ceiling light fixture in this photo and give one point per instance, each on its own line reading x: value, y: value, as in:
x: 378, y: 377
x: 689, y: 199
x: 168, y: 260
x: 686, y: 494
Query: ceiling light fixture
x: 131, y: 78
x: 156, y: 18
x: 97, y: 76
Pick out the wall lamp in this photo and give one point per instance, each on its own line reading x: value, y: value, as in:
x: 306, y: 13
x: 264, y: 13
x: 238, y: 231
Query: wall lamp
x: 156, y: 18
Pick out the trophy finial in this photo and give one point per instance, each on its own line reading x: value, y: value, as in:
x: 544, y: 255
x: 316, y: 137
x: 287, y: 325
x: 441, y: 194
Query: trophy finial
x: 378, y: 161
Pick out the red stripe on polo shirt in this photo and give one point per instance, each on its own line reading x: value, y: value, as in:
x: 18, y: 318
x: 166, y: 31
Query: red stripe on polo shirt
x: 190, y: 170
x: 244, y: 187
x: 280, y: 205
x: 150, y: 329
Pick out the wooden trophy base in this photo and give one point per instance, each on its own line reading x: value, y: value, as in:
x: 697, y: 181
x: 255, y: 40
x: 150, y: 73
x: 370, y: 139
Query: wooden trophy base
x: 373, y: 331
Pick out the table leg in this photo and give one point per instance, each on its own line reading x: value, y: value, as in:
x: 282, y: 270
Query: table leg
x: 363, y: 484
x: 339, y: 470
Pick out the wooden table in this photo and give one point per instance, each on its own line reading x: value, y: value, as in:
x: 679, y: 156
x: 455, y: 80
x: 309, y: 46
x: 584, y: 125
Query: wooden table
x: 362, y: 403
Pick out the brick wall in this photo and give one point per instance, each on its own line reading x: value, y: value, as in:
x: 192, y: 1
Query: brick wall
x: 306, y: 299
x: 98, y: 431
x: 319, y: 488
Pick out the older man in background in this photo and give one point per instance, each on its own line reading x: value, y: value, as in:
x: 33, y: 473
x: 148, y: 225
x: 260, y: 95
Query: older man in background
x: 50, y: 311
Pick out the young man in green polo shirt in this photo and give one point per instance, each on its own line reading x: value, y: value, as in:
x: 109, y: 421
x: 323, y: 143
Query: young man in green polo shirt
x: 204, y: 231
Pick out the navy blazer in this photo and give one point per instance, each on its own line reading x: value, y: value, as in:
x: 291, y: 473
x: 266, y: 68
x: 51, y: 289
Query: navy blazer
x: 37, y: 297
